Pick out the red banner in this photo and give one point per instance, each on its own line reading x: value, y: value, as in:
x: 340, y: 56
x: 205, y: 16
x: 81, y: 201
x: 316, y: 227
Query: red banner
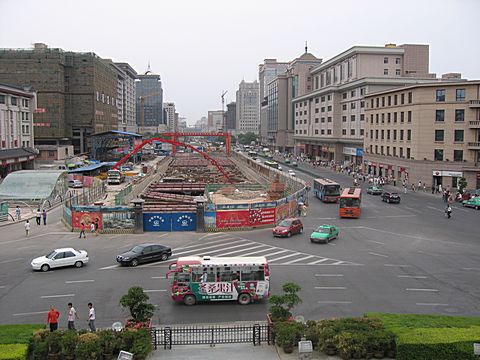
x: 237, y: 218
x: 87, y: 218
x: 262, y: 216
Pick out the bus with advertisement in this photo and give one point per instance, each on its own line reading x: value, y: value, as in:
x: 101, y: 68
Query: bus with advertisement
x: 200, y: 279
x: 326, y: 190
x: 350, y: 201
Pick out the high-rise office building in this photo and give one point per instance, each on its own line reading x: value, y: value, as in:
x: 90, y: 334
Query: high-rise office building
x: 231, y: 116
x: 248, y: 108
x: 127, y: 106
x: 169, y: 108
x: 149, y: 93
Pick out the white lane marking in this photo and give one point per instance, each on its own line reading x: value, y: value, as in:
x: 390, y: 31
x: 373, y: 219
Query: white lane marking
x: 376, y: 254
x: 197, y: 245
x: 55, y: 296
x: 376, y: 242
x: 396, y: 216
x: 471, y: 268
x: 330, y: 287
x: 78, y: 281
x: 284, y: 257
x: 109, y: 267
x: 2, y: 287
x: 275, y: 253
x: 397, y: 265
x: 318, y: 261
x: 428, y: 290
x: 334, y: 302
x: 297, y: 260
x: 204, y: 248
x: 412, y: 276
x: 159, y: 277
x: 211, y: 235
x: 11, y: 260
x: 326, y: 218
x: 329, y: 275
x: 237, y: 251
x: 434, y: 208
x: 260, y: 251
x: 431, y: 304
x: 31, y: 313
x: 150, y: 291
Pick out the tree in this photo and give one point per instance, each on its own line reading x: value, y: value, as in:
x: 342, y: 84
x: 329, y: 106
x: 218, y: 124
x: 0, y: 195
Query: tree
x: 247, y: 138
x: 136, y: 302
x: 462, y: 184
x: 282, y: 305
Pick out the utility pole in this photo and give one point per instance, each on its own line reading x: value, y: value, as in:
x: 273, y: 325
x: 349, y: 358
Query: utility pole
x: 224, y: 123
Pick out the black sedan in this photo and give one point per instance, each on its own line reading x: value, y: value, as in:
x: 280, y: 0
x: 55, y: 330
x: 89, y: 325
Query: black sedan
x: 144, y: 253
x: 391, y: 197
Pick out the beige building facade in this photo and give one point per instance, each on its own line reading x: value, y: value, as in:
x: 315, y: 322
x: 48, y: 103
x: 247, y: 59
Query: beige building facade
x: 427, y: 133
x: 330, y: 119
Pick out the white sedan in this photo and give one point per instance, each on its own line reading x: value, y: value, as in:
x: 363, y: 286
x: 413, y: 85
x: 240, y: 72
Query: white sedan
x: 291, y: 172
x: 59, y: 258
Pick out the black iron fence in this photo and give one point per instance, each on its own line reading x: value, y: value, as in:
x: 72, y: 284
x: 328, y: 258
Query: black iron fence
x: 196, y: 335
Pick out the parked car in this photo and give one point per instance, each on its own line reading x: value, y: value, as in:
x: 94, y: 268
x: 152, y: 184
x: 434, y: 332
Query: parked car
x: 60, y: 258
x: 291, y: 173
x: 473, y: 202
x: 288, y: 227
x: 279, y: 168
x: 391, y: 197
x: 144, y: 253
x: 374, y: 190
x: 287, y: 161
x: 75, y: 184
x: 294, y: 163
x: 324, y: 233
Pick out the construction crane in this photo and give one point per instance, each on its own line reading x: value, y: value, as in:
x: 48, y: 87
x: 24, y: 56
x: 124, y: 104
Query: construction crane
x: 224, y: 125
x: 142, y: 108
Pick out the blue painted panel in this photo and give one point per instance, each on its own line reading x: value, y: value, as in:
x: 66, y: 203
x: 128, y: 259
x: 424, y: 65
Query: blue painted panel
x: 157, y: 222
x: 184, y: 221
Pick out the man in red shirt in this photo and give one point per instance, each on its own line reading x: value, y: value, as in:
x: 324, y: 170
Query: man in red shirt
x: 52, y: 318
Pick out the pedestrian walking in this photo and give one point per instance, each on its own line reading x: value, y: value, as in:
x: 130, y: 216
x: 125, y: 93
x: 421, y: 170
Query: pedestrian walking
x: 433, y: 188
x: 405, y: 188
x: 44, y: 214
x: 72, y: 316
x: 39, y: 216
x: 419, y: 186
x: 18, y: 212
x: 424, y: 187
x: 27, y: 228
x: 82, y: 231
x: 91, y: 317
x: 448, y: 211
x: 52, y: 318
x: 97, y: 225
x: 92, y: 228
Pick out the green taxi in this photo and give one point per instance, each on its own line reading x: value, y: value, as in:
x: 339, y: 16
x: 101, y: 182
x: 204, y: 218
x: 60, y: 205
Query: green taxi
x: 374, y: 190
x: 473, y: 202
x: 287, y: 161
x: 324, y: 233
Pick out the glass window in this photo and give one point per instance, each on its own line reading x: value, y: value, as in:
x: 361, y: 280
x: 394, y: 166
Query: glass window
x: 459, y: 115
x: 385, y: 60
x: 460, y: 95
x: 362, y: 117
x: 352, y: 105
x: 385, y: 71
x: 69, y: 254
x: 344, y: 107
x: 397, y: 61
x: 401, y: 135
x: 457, y: 155
x: 402, y: 99
x: 344, y: 131
x: 409, y: 116
x: 438, y: 154
x: 329, y: 119
x: 440, y: 95
x: 458, y: 136
x: 408, y: 153
x: 439, y: 135
x: 362, y: 104
x: 353, y: 93
x: 410, y: 97
x: 397, y: 72
x: 439, y: 115
x: 409, y: 134
x: 352, y: 117
x: 13, y: 100
x: 344, y: 95
x: 352, y: 131
x: 344, y: 118
x: 329, y: 108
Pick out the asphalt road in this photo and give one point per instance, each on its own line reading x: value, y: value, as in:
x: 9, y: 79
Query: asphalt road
x: 404, y: 258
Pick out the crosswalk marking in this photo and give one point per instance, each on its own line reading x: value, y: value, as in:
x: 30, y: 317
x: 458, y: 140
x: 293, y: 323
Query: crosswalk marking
x: 259, y: 251
x: 201, y: 249
x: 237, y: 251
x: 226, y: 248
x: 284, y: 257
x: 197, y: 245
x: 296, y: 260
x: 318, y: 261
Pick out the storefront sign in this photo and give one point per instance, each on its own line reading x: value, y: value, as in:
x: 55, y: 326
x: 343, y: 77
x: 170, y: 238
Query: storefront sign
x: 236, y: 218
x: 270, y: 204
x: 349, y: 151
x: 231, y: 206
x: 359, y: 151
x: 447, y: 173
x: 331, y: 148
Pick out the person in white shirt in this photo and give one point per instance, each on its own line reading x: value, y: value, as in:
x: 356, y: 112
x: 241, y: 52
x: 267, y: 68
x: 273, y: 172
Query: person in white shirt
x: 27, y: 228
x: 91, y: 317
x: 72, y: 315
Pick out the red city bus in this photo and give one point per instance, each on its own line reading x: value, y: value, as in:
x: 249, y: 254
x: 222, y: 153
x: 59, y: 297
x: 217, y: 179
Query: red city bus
x: 350, y: 201
x: 199, y: 279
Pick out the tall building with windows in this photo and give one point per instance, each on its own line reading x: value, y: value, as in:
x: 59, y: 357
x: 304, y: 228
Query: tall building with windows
x: 267, y: 71
x: 17, y: 107
x: 214, y: 120
x: 248, y: 107
x: 231, y: 116
x: 76, y: 93
x: 425, y: 132
x: 149, y: 93
x: 330, y: 119
x: 126, y: 103
x: 169, y: 108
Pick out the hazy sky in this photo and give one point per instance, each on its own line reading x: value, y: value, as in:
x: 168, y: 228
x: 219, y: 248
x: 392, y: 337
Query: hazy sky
x: 201, y: 47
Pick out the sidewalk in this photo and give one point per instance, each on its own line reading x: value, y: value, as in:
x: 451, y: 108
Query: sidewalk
x: 230, y: 352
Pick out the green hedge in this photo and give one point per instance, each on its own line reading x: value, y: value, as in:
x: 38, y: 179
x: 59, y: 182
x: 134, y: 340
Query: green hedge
x: 13, y: 351
x: 18, y: 334
x: 425, y: 337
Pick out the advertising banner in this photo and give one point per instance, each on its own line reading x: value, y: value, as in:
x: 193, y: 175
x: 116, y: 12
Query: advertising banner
x: 270, y: 204
x: 237, y: 218
x: 210, y: 219
x: 87, y: 218
x: 262, y: 216
x: 232, y: 206
x: 184, y: 221
x: 157, y: 222
x: 282, y: 212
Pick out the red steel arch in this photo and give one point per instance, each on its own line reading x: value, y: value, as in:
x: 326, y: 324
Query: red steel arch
x: 173, y: 143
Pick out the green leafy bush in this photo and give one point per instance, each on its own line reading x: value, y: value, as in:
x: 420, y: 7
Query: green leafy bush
x: 288, y: 333
x: 13, y: 351
x: 18, y: 334
x: 88, y: 347
x: 135, y: 300
x: 142, y: 344
x: 281, y: 305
